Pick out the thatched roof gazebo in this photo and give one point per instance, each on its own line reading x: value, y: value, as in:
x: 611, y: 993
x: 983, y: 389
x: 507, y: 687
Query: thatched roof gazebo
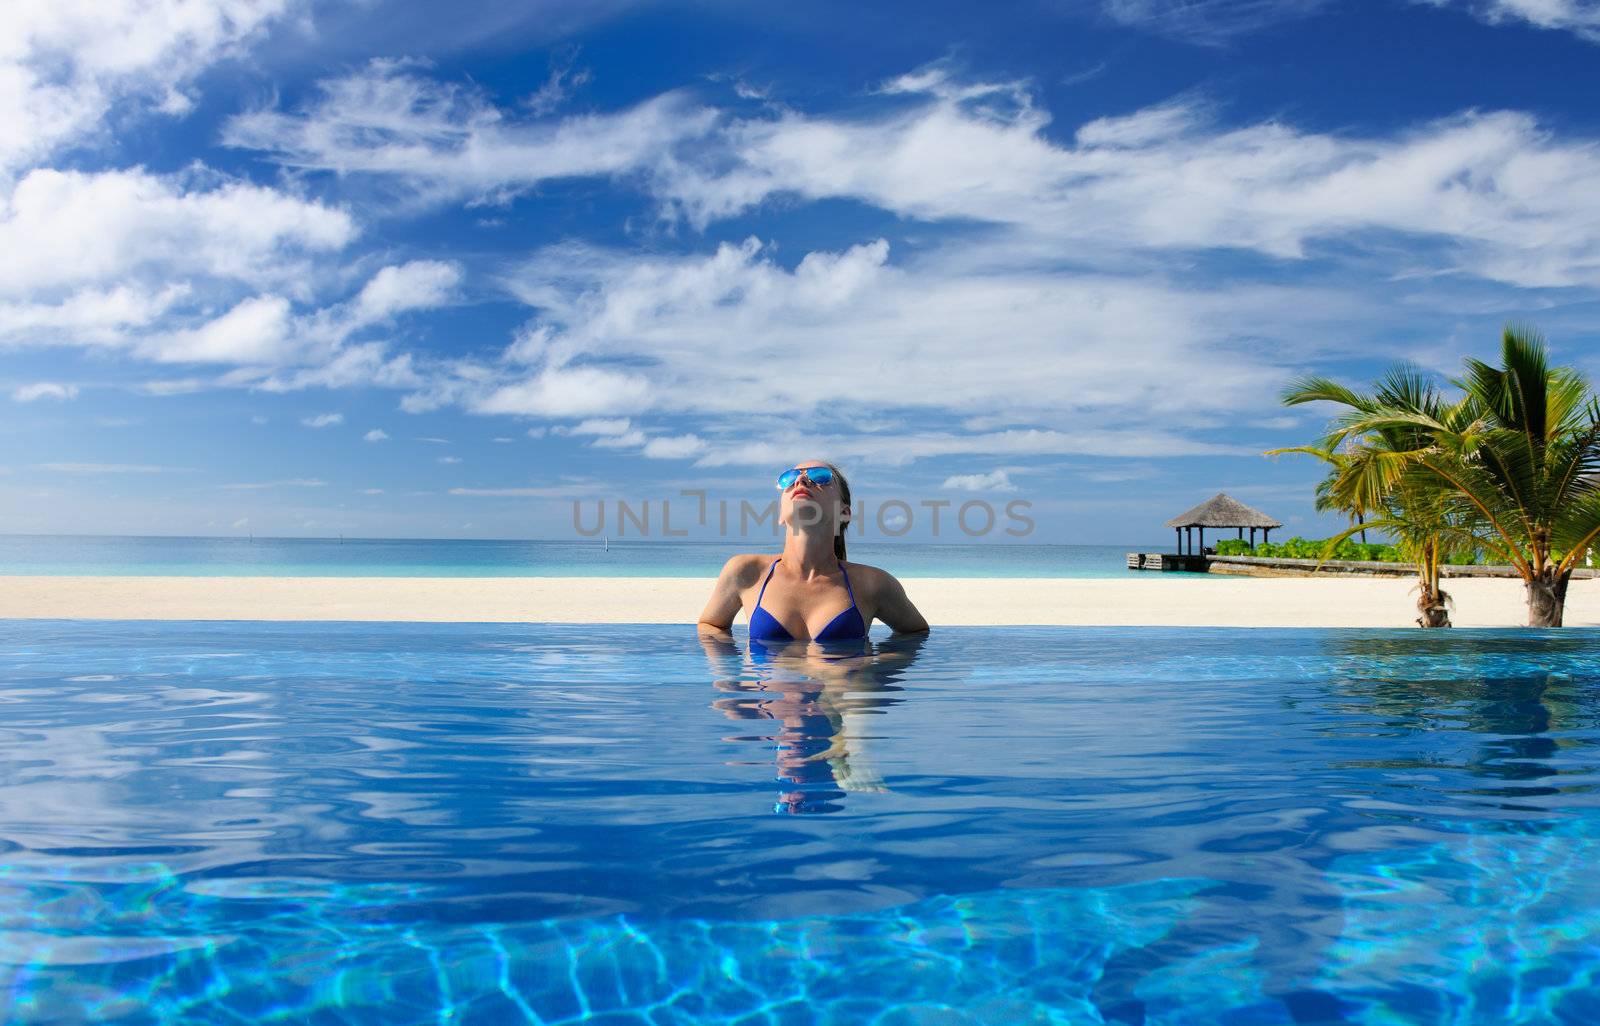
x: 1221, y: 512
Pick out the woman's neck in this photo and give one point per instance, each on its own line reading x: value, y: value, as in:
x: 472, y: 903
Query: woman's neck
x: 808, y: 553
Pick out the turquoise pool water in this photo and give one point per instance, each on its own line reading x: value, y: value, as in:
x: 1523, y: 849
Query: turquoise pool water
x: 359, y: 823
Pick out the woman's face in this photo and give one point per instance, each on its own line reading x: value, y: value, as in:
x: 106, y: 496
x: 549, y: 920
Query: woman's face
x: 806, y: 503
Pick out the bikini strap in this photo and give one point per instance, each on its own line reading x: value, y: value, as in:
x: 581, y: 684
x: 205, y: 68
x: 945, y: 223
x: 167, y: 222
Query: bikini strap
x: 768, y: 581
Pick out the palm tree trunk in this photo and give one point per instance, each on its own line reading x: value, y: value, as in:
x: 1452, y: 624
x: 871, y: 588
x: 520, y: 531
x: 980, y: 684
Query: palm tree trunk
x: 1547, y: 597
x: 1432, y: 602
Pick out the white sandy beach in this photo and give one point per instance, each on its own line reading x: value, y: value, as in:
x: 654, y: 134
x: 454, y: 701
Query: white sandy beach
x: 1146, y: 600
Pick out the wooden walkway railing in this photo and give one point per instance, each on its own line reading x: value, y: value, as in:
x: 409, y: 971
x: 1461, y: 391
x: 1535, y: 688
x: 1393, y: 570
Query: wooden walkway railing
x: 1368, y: 567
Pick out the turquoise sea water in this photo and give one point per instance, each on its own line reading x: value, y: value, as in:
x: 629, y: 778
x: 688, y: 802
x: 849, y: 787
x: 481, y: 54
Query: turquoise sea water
x: 356, y: 557
x: 447, y: 823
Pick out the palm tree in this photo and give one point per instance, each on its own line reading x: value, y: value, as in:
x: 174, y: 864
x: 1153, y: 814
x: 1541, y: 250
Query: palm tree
x: 1519, y: 460
x: 1372, y: 474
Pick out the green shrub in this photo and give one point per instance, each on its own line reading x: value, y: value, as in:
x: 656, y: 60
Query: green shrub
x: 1314, y: 548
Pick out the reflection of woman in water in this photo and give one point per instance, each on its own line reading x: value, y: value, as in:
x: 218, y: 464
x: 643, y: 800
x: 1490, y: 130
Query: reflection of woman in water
x: 816, y: 696
x: 809, y: 592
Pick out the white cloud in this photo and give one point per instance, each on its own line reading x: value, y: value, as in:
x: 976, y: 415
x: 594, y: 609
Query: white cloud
x: 1088, y: 358
x: 895, y: 450
x: 1505, y: 198
x: 568, y: 392
x: 193, y: 268
x: 257, y: 330
x: 715, y: 336
x: 180, y: 269
x: 1508, y: 199
x: 64, y: 64
x: 89, y: 316
x: 320, y: 351
x: 626, y: 440
x: 376, y: 435
x: 1206, y: 22
x: 323, y: 420
x: 44, y: 390
x: 449, y: 460
x: 502, y: 441
x: 439, y: 141
x: 61, y: 230
x: 1081, y: 364
x: 600, y: 426
x: 1580, y: 17
x: 359, y: 365
x: 177, y: 386
x: 556, y: 90
x: 996, y: 481
x: 418, y: 285
x: 679, y: 447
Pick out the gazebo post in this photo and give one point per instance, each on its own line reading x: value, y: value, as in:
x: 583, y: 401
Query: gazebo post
x: 1202, y: 549
x: 1179, y: 532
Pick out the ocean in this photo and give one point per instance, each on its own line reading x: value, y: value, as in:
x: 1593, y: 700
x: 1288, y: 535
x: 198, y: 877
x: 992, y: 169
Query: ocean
x: 80, y: 555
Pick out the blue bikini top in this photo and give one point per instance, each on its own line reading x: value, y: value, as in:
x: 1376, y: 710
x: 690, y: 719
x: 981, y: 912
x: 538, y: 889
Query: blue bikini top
x: 847, y: 626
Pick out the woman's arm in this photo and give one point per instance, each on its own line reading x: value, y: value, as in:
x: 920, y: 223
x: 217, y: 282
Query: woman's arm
x: 726, y: 600
x: 895, y: 609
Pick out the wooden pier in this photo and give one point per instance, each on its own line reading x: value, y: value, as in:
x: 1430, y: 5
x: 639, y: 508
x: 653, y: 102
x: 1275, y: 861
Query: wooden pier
x: 1182, y: 562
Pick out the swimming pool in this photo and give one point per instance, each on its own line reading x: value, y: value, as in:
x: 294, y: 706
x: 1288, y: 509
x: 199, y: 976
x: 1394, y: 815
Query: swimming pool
x: 437, y: 823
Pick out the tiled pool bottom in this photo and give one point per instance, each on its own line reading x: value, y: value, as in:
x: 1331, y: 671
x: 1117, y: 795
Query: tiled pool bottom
x: 351, y: 823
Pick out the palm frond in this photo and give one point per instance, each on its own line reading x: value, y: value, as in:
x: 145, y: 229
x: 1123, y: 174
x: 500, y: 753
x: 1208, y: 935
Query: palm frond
x: 1314, y: 388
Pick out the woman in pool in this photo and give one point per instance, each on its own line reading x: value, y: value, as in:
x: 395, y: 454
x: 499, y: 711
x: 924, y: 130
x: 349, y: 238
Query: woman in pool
x: 809, y: 593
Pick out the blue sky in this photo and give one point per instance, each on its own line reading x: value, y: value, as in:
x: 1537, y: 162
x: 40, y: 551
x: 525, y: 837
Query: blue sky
x: 296, y: 268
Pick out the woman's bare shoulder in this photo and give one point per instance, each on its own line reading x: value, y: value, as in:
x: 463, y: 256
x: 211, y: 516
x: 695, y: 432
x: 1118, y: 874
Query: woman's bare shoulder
x: 746, y: 566
x: 870, y: 578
